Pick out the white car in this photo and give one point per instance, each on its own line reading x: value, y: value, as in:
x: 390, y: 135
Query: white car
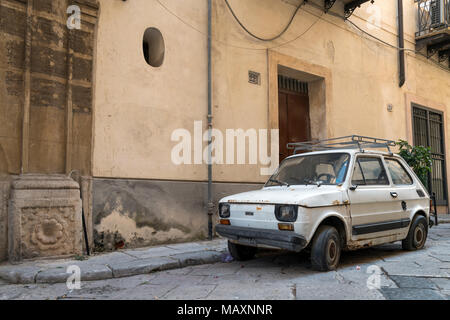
x: 327, y: 201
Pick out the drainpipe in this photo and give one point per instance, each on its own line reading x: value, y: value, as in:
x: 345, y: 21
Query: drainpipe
x: 401, y: 44
x: 210, y: 200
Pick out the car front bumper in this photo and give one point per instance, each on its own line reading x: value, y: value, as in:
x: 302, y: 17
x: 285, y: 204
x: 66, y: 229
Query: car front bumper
x: 288, y: 240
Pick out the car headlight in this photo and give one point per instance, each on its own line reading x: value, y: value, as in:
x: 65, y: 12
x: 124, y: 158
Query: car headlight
x: 224, y: 210
x: 286, y: 213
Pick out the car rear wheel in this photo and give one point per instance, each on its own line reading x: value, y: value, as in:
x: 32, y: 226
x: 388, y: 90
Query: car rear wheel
x: 240, y: 252
x: 417, y: 234
x: 325, y: 249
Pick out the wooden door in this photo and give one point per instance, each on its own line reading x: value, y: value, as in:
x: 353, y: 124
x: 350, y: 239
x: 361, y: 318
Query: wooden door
x: 294, y: 126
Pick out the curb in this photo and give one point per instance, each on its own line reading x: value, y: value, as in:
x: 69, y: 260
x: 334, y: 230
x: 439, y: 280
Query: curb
x: 119, y: 269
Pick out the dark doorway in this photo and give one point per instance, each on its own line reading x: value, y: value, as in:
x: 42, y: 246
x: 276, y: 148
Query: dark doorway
x: 428, y: 131
x: 293, y: 113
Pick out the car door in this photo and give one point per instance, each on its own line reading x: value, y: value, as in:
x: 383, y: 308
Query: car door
x: 405, y: 191
x: 372, y: 206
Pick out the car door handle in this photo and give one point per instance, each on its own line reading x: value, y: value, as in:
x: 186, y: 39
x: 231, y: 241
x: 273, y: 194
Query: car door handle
x: 394, y: 194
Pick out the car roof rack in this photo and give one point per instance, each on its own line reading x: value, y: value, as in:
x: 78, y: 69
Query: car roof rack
x: 348, y: 142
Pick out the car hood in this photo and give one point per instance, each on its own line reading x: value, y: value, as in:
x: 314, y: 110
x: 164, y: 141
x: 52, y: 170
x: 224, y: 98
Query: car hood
x: 306, y: 196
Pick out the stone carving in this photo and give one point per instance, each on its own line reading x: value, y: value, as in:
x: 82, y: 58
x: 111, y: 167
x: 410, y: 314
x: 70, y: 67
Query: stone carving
x: 47, y: 231
x: 44, y: 217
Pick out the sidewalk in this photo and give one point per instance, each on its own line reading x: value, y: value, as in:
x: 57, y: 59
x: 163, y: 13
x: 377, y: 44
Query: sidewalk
x: 123, y: 263
x: 443, y: 218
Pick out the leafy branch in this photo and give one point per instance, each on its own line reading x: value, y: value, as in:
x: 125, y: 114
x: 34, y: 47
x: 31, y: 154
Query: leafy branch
x: 418, y: 158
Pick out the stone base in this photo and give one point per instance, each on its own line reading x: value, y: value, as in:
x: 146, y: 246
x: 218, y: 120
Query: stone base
x: 4, y: 195
x: 44, y: 217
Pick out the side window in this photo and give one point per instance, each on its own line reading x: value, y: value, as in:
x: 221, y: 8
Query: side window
x: 369, y: 171
x: 398, y: 173
x: 358, y: 178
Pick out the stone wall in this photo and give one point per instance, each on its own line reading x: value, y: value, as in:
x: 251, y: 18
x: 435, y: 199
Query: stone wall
x: 44, y: 217
x: 136, y: 213
x: 46, y: 109
x: 4, y: 195
x: 46, y: 94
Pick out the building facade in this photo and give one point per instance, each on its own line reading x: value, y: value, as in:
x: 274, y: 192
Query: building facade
x: 126, y: 99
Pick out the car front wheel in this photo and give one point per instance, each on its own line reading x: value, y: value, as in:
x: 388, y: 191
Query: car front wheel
x: 325, y: 249
x: 240, y: 252
x: 417, y: 234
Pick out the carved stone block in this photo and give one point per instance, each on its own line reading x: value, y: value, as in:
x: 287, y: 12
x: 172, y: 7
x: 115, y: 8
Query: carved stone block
x: 44, y: 217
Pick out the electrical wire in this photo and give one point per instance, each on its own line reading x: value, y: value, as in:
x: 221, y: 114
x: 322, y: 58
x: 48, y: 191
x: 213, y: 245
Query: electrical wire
x: 398, y: 48
x: 380, y: 40
x: 299, y: 36
x: 232, y: 45
x: 257, y: 37
x: 320, y: 17
x: 204, y: 34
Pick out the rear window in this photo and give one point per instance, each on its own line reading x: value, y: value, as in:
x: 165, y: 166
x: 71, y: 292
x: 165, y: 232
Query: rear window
x: 398, y: 173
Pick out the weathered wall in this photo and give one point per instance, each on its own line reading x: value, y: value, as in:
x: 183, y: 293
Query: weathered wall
x: 4, y: 195
x: 148, y: 212
x: 137, y: 107
x: 363, y: 73
x: 46, y: 92
x: 137, y: 103
x: 12, y: 48
x: 46, y: 108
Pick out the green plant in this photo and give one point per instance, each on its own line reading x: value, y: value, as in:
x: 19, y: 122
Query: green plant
x: 418, y: 158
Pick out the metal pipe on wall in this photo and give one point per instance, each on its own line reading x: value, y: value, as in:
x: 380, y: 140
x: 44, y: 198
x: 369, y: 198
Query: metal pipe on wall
x: 210, y: 206
x: 401, y: 45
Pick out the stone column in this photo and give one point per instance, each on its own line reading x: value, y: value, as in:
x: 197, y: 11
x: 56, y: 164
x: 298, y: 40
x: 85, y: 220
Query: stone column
x: 44, y: 217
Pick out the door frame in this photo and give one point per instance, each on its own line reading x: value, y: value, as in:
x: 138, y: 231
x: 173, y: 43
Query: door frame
x: 320, y: 92
x: 411, y: 98
x: 445, y: 177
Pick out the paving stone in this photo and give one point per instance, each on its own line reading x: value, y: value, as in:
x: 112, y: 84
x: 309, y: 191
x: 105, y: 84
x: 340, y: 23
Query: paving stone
x: 413, y: 282
x: 145, y: 292
x: 446, y: 294
x: 195, y: 258
x: 442, y: 257
x: 442, y: 283
x: 152, y: 252
x: 135, y: 267
x: 249, y: 290
x: 412, y: 269
x: 186, y: 247
x: 19, y: 274
x: 114, y: 257
x: 89, y: 272
x: 411, y: 294
x: 190, y: 292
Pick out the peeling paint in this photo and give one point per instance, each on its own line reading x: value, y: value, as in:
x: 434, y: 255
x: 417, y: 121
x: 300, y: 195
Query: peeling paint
x: 125, y: 229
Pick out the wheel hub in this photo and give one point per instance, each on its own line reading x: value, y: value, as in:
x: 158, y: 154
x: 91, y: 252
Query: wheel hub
x: 332, y: 250
x: 418, y: 235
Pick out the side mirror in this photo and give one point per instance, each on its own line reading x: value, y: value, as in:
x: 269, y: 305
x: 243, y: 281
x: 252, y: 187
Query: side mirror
x: 353, y: 187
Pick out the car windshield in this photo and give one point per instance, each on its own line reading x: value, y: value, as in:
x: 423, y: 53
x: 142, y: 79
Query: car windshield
x: 318, y: 169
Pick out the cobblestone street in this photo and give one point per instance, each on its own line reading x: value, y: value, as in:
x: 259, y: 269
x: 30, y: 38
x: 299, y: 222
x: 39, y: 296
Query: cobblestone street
x: 423, y: 274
